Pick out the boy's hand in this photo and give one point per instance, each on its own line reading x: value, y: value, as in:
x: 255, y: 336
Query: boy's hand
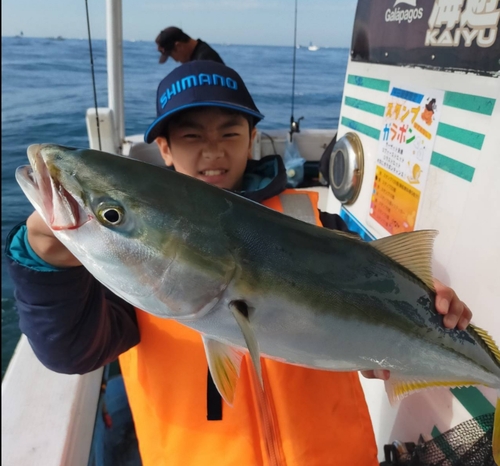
x: 46, y: 245
x: 456, y: 314
x: 448, y: 304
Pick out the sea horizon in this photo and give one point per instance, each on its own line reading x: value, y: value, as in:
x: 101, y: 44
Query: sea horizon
x: 145, y: 41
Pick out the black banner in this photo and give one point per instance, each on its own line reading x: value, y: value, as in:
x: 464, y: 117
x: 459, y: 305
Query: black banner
x: 452, y: 35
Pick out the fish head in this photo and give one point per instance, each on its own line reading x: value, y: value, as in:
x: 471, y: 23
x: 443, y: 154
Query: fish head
x: 118, y: 217
x: 81, y: 189
x: 40, y: 183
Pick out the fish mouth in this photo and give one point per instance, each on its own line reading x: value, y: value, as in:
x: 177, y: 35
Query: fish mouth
x: 41, y: 183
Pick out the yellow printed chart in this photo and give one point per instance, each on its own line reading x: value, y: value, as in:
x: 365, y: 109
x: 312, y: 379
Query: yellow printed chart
x: 394, y: 202
x: 404, y: 153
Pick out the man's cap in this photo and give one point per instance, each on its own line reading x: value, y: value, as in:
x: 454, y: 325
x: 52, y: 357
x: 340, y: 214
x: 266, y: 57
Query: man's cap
x: 200, y: 83
x: 167, y: 39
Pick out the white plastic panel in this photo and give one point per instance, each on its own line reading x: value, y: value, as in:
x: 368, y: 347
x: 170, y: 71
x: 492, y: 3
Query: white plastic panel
x: 47, y: 418
x: 462, y: 207
x: 106, y: 131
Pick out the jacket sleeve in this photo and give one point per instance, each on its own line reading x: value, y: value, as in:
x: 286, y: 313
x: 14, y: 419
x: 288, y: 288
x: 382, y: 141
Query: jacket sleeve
x: 73, y: 323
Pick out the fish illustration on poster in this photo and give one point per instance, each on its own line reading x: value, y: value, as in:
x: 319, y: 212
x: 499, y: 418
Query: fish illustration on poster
x: 411, y: 118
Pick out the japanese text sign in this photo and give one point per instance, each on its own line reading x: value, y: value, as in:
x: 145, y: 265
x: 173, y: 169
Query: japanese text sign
x: 405, y: 148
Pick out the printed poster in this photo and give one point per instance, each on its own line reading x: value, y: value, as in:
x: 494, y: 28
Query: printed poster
x: 407, y: 138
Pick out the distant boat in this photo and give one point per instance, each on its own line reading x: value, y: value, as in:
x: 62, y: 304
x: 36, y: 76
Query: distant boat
x: 312, y: 47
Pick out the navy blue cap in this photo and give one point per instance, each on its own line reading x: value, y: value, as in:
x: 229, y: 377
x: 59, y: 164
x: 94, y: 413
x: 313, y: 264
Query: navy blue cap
x: 200, y: 83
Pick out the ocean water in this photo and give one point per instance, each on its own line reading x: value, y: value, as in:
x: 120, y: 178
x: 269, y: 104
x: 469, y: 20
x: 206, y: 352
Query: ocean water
x: 47, y: 88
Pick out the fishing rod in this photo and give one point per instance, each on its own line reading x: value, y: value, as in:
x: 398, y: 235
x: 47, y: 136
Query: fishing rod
x: 294, y: 125
x: 93, y: 75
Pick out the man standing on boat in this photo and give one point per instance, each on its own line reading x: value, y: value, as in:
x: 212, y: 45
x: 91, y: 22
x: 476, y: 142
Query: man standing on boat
x: 174, y: 42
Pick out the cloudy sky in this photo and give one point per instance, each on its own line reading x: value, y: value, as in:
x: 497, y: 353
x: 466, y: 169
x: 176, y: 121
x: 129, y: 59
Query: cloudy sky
x: 326, y: 23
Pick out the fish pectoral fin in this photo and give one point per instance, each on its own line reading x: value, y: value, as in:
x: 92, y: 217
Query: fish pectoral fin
x: 241, y: 311
x: 397, y: 388
x: 224, y: 362
x: 412, y: 250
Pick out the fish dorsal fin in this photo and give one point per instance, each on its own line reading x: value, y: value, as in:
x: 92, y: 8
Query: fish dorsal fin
x: 397, y: 388
x: 412, y: 250
x: 488, y: 341
x: 224, y: 362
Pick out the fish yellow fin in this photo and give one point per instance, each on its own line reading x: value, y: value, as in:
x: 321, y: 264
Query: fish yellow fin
x: 412, y: 250
x: 240, y: 311
x: 488, y: 341
x: 224, y: 362
x: 496, y: 432
x: 397, y: 389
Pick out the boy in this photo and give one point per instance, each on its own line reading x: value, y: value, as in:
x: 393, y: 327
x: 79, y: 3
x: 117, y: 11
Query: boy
x: 204, y: 128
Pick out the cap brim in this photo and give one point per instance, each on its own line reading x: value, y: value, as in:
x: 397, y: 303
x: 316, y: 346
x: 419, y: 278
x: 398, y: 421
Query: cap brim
x: 163, y: 58
x: 156, y: 127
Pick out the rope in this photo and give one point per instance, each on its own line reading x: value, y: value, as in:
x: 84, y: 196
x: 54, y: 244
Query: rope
x: 93, y: 75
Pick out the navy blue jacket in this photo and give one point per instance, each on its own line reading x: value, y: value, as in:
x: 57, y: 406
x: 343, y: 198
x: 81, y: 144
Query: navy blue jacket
x: 203, y: 51
x: 76, y: 325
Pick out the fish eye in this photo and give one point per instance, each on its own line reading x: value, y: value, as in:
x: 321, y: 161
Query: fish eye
x: 111, y: 215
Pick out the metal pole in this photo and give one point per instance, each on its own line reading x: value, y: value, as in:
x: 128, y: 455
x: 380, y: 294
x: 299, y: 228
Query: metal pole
x: 114, y: 45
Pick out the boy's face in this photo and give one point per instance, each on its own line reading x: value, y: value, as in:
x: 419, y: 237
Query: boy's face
x: 209, y: 144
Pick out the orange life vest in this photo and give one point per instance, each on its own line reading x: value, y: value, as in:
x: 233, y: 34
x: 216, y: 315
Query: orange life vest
x: 321, y: 416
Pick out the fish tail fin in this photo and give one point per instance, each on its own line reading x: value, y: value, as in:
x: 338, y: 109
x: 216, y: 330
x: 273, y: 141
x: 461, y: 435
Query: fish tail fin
x: 496, y: 432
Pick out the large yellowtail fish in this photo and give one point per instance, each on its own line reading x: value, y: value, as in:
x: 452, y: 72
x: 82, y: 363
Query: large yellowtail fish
x: 249, y: 278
